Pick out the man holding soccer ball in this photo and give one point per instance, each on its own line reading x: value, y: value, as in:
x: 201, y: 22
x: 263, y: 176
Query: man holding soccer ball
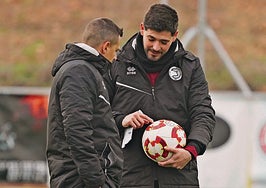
x: 156, y: 78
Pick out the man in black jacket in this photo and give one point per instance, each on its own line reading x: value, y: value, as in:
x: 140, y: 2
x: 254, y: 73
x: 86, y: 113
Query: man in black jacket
x: 84, y: 147
x: 156, y: 78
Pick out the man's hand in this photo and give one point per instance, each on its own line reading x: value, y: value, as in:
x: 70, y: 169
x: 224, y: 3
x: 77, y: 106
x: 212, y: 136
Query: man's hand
x: 136, y: 120
x: 179, y: 159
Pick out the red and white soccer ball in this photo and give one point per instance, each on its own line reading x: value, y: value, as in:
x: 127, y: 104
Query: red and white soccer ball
x: 159, y: 134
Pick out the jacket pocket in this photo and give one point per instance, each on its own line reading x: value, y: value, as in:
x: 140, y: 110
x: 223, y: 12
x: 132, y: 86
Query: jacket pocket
x: 112, y: 166
x: 109, y: 157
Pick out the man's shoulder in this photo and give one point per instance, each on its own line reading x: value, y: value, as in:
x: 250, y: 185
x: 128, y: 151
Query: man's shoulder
x: 76, y: 64
x: 79, y: 67
x: 190, y: 56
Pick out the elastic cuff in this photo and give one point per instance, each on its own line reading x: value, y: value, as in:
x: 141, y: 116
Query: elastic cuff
x: 192, y: 150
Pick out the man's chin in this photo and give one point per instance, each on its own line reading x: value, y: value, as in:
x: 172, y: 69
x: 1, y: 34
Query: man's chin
x: 153, y: 58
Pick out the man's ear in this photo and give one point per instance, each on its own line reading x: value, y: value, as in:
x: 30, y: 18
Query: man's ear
x: 175, y: 35
x: 141, y: 28
x: 105, y: 47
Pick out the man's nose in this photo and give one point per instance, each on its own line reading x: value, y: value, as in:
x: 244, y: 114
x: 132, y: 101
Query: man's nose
x: 156, y: 46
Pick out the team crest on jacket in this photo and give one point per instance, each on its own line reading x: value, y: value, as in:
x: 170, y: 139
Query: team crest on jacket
x: 131, y: 71
x: 175, y: 73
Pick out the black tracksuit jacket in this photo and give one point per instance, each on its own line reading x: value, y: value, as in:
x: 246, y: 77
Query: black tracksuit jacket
x: 180, y: 94
x: 84, y: 147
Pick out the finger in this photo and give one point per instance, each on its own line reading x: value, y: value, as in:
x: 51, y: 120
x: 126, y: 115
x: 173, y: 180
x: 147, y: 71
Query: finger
x: 140, y: 121
x: 146, y: 118
x: 169, y: 162
x: 166, y: 164
x: 137, y: 123
x: 170, y: 149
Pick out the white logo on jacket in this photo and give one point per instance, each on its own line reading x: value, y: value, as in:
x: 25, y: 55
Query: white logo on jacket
x: 131, y: 71
x: 175, y: 73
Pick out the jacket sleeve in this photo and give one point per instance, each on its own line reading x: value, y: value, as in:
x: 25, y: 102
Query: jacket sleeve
x: 77, y: 96
x: 201, y: 112
x: 118, y: 116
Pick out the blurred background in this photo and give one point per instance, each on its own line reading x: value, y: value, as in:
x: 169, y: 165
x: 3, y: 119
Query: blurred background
x: 34, y: 32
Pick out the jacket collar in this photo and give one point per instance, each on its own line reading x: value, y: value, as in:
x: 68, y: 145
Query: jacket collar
x: 88, y: 48
x: 81, y: 51
x: 128, y: 52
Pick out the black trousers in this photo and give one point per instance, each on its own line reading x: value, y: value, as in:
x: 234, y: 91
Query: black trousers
x: 156, y: 184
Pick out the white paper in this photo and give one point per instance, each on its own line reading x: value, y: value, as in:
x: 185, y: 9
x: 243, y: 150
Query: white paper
x: 127, y: 135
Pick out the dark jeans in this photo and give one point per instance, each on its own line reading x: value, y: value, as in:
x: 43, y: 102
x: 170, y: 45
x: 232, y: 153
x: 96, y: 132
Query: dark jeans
x: 156, y: 184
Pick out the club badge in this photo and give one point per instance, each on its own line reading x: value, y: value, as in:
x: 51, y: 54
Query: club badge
x: 175, y: 73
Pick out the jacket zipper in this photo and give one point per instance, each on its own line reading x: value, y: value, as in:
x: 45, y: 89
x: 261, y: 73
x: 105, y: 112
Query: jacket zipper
x: 152, y: 92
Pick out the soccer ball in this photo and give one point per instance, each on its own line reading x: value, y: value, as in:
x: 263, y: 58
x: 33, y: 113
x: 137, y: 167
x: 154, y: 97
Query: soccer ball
x: 159, y: 134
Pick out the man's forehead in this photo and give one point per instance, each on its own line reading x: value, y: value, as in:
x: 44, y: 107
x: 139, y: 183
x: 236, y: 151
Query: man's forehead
x: 163, y: 35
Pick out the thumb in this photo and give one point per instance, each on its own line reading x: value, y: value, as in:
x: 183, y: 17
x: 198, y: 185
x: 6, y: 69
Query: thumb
x: 167, y: 148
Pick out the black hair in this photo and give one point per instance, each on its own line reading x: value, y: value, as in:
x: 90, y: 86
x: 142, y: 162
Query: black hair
x: 161, y: 17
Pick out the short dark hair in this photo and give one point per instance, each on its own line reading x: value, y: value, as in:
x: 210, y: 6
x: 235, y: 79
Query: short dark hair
x: 161, y: 17
x: 100, y: 30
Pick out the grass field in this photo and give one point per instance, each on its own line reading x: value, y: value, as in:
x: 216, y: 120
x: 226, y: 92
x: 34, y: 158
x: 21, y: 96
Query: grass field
x: 32, y: 33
